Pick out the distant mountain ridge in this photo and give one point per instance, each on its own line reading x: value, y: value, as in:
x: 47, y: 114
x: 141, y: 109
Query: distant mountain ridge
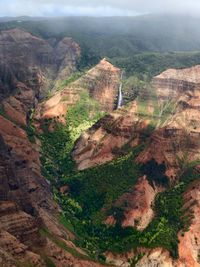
x: 117, y: 36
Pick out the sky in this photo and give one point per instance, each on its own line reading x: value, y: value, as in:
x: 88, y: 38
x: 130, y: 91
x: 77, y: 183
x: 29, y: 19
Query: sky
x: 96, y: 7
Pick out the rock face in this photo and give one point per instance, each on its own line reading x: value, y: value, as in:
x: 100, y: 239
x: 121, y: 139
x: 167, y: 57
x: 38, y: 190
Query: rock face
x: 175, y: 140
x: 179, y: 137
x: 156, y: 257
x: 26, y: 203
x: 20, y: 186
x: 13, y: 252
x: 33, y: 61
x: 189, y: 246
x: 28, y: 66
x: 137, y: 205
x: 101, y: 143
x: 63, y: 258
x: 101, y: 82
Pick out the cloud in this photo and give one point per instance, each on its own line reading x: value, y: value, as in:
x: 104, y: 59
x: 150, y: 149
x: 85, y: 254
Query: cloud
x: 96, y: 7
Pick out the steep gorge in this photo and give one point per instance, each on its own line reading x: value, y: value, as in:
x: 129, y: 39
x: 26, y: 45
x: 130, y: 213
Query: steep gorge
x: 131, y: 161
x: 172, y: 147
x: 31, y: 234
x: 101, y: 83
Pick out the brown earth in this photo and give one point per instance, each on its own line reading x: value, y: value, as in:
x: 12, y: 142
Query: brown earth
x: 28, y: 64
x: 174, y: 140
x: 137, y: 205
x: 101, y: 82
x: 103, y: 141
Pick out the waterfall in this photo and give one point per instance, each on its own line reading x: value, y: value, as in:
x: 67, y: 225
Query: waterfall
x: 120, y: 97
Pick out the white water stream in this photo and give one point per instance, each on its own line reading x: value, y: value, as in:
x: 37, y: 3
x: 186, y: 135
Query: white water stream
x: 120, y: 96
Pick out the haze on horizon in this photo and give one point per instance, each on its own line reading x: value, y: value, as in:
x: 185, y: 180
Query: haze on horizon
x: 12, y: 8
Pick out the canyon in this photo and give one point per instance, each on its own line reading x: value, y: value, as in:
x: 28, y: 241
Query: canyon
x: 28, y: 65
x: 175, y: 89
x: 175, y: 141
x: 101, y: 82
x: 165, y: 128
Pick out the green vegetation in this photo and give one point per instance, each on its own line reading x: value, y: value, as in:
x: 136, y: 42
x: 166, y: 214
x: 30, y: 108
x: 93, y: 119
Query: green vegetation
x: 2, y: 112
x: 83, y: 115
x: 49, y: 262
x: 61, y: 244
x: 23, y: 264
x: 142, y: 45
x: 156, y: 173
x: 65, y: 221
x: 118, y: 36
x: 97, y: 188
x: 145, y: 66
x: 148, y: 106
x: 75, y: 76
x: 92, y: 192
x: 132, y: 87
x: 56, y: 159
x: 56, y: 146
x: 30, y: 130
x: 135, y: 260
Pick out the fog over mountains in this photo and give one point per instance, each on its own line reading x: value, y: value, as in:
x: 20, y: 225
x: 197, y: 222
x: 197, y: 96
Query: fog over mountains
x: 99, y: 133
x: 96, y: 8
x: 118, y: 36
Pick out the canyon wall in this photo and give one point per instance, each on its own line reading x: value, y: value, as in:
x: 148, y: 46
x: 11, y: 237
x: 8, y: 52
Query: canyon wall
x: 29, y: 67
x: 101, y: 83
x: 28, y: 212
x: 174, y: 140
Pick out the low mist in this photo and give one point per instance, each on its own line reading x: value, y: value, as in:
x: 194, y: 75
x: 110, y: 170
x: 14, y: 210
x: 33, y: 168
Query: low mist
x: 96, y: 8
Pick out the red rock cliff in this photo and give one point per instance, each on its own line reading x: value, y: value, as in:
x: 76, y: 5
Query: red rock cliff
x: 27, y: 64
x: 101, y: 82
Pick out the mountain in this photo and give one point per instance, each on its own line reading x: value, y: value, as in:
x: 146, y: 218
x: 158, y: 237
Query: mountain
x: 82, y: 182
x: 101, y: 83
x: 118, y: 37
x: 144, y: 160
x: 31, y: 233
x: 141, y: 45
x: 28, y: 67
x: 170, y: 152
x: 176, y: 92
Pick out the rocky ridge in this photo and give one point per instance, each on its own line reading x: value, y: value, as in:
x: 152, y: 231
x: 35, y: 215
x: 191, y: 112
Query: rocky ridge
x: 172, y: 142
x: 178, y: 133
x: 28, y: 65
x: 26, y: 203
x: 138, y: 204
x: 101, y: 83
x: 101, y: 143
